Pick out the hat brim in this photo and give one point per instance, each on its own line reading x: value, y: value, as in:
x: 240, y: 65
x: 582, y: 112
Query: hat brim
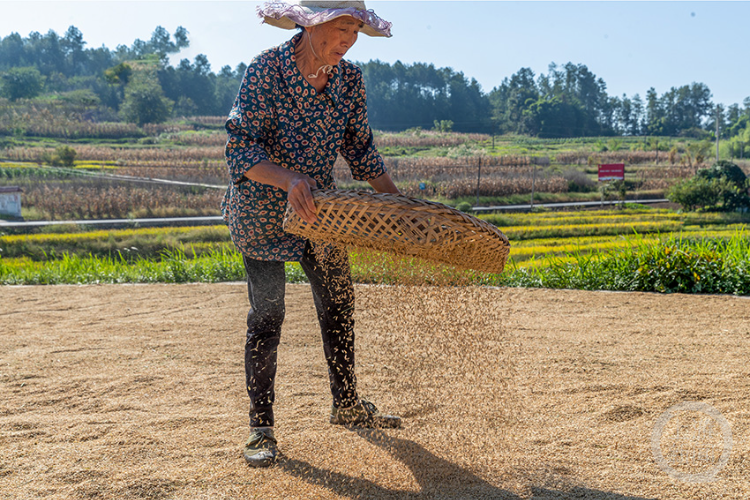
x: 288, y: 17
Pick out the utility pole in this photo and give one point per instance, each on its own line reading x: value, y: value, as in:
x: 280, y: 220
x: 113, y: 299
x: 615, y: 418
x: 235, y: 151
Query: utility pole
x: 533, y: 181
x: 718, y: 116
x: 479, y: 176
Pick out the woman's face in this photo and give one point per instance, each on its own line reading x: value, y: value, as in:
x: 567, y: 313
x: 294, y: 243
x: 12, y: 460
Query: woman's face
x: 333, y: 39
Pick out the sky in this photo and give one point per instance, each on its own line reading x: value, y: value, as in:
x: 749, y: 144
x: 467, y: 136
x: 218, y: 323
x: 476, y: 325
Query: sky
x: 632, y: 46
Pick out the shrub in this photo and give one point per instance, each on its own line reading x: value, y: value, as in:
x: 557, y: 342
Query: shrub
x: 81, y: 97
x: 64, y: 156
x: 697, y: 192
x: 724, y: 186
x: 464, y: 206
x: 695, y: 133
x: 578, y: 182
x: 67, y: 155
x: 724, y: 169
x: 670, y: 265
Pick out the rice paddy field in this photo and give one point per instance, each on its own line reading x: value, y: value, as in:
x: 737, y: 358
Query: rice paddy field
x: 630, y: 249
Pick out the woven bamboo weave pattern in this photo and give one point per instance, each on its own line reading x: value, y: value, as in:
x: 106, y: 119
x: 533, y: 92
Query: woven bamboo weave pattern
x: 404, y: 226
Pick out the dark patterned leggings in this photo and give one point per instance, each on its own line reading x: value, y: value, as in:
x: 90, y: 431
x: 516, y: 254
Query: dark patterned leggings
x: 327, y: 268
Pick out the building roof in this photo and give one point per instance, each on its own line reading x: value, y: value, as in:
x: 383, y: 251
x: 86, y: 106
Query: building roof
x: 10, y: 189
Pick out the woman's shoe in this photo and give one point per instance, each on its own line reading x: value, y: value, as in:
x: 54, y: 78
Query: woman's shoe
x: 260, y: 449
x: 364, y: 414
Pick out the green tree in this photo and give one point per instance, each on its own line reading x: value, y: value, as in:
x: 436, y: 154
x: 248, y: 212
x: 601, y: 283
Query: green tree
x: 118, y: 75
x: 75, y: 56
x: 654, y: 119
x: 227, y: 83
x: 195, y: 82
x: 678, y: 110
x: 402, y: 96
x: 185, y: 107
x: 145, y: 102
x: 21, y: 83
x: 12, y: 52
x: 512, y: 98
x: 553, y: 118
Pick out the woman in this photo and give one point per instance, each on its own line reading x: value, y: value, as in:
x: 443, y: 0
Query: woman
x: 299, y: 106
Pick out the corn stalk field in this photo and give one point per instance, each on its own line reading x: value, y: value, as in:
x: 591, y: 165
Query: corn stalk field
x: 443, y: 166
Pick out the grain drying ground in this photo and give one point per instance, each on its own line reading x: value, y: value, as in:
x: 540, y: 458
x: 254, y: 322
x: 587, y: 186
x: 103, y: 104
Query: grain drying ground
x: 137, y: 392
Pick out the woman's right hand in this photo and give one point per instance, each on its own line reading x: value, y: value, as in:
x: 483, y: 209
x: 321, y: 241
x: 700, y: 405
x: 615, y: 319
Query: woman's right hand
x: 299, y: 195
x: 296, y: 185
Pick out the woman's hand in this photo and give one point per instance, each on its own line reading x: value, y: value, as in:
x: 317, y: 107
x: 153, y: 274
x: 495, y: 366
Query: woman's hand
x: 299, y: 195
x: 296, y: 185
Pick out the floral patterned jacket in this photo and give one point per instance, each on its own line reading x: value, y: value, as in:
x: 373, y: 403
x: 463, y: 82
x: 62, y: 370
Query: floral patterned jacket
x: 278, y: 116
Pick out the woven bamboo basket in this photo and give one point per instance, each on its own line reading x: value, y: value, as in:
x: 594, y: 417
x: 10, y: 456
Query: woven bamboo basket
x: 404, y: 226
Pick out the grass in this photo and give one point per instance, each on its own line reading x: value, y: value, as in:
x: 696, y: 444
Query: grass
x: 669, y: 264
x: 218, y: 265
x: 673, y: 264
x: 528, y: 252
x: 143, y: 243
x: 14, y: 171
x: 174, y: 267
x: 646, y: 250
x: 521, y: 199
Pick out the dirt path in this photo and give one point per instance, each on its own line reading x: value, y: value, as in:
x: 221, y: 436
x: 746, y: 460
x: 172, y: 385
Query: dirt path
x: 137, y: 392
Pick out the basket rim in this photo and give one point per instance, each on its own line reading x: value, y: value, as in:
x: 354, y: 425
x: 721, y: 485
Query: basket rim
x: 417, y: 204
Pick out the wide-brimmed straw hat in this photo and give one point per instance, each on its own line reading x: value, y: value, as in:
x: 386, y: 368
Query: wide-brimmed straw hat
x: 290, y: 14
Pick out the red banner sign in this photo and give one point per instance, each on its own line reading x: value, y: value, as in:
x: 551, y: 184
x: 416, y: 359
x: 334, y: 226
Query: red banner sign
x: 612, y: 172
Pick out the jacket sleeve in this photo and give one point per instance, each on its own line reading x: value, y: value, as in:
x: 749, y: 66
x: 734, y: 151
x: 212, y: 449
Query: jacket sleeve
x: 251, y: 120
x: 358, y: 148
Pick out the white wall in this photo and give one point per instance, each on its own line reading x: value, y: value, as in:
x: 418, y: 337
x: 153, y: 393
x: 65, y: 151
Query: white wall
x: 10, y: 204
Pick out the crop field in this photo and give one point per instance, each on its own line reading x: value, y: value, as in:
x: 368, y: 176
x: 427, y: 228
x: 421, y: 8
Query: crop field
x: 446, y: 167
x: 59, y: 194
x: 547, y: 249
